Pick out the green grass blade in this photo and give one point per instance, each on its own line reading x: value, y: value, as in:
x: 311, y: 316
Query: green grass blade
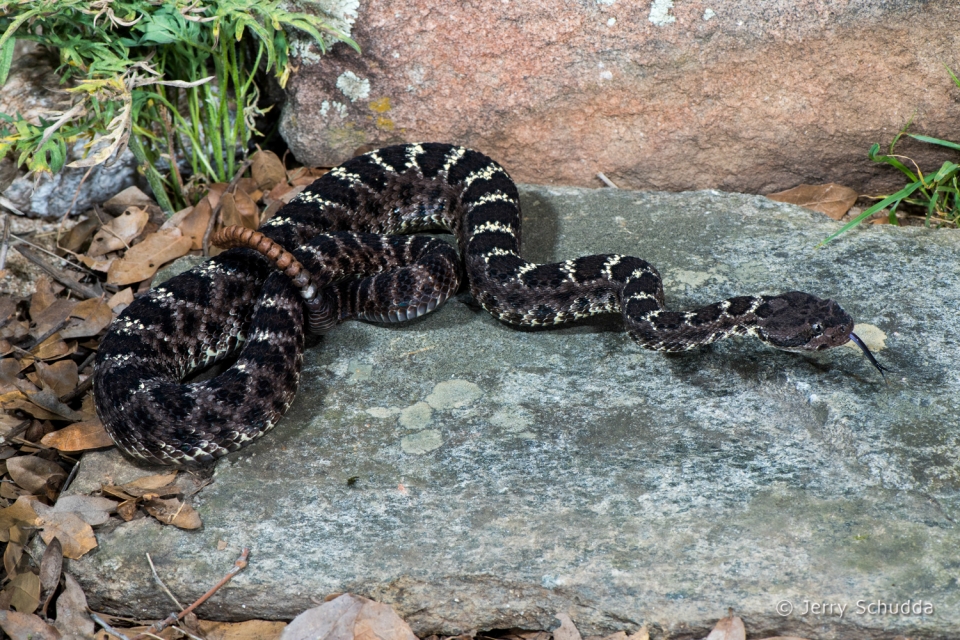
x: 956, y: 80
x: 893, y: 162
x: 897, y: 197
x: 947, y: 171
x: 6, y: 59
x: 942, y: 143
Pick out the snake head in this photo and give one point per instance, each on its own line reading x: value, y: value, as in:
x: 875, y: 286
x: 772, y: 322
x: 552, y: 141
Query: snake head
x: 798, y: 321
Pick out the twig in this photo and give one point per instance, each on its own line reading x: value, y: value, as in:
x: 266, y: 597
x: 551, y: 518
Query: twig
x: 69, y: 480
x: 76, y: 194
x: 56, y: 256
x: 607, y: 181
x: 6, y: 241
x: 106, y: 627
x: 86, y: 361
x: 187, y: 633
x: 16, y: 431
x: 115, y: 235
x: 35, y: 445
x: 163, y: 586
x: 97, y: 211
x: 173, y: 156
x: 83, y: 386
x: 46, y: 334
x: 216, y: 211
x: 172, y: 619
x: 58, y: 274
x: 81, y: 389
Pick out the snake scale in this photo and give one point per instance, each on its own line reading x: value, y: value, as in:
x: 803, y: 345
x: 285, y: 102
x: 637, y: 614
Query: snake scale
x: 334, y: 253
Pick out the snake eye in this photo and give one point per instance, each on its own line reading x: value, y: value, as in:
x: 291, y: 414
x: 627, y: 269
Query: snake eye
x: 817, y: 328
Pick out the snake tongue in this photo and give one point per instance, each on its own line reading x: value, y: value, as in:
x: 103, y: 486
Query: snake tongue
x: 863, y: 347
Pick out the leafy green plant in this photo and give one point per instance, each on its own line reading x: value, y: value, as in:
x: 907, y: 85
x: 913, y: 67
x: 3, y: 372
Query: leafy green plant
x: 173, y: 80
x: 937, y: 194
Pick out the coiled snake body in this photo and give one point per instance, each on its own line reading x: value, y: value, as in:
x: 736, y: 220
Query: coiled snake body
x: 349, y: 264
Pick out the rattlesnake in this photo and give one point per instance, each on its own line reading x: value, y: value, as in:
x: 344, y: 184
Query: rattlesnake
x: 346, y: 262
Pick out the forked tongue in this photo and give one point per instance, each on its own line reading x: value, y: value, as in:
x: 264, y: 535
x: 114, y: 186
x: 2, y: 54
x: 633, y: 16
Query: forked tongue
x: 863, y: 347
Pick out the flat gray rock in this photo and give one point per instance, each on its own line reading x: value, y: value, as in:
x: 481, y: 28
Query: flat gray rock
x: 477, y: 476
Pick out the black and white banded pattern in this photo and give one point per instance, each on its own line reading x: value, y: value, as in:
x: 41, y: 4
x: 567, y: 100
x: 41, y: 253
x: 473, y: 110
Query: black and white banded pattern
x: 342, y: 229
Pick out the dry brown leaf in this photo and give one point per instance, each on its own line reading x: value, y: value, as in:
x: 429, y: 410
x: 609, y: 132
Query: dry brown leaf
x: 97, y: 264
x: 248, y: 185
x: 305, y: 173
x: 51, y: 565
x: 14, y: 330
x: 49, y: 401
x: 267, y: 170
x: 119, y: 232
x: 52, y: 316
x: 567, y: 630
x: 35, y: 474
x: 173, y: 511
x: 642, y: 634
x: 348, y: 617
x: 176, y: 219
x: 239, y: 209
x: 9, y: 375
x: 94, y: 510
x: 80, y: 436
x: 249, y: 630
x: 7, y: 422
x: 120, y: 300
x: 831, y: 199
x: 275, y: 194
x: 114, y: 492
x: 143, y: 260
x: 74, y: 239
x: 75, y: 535
x: 53, y: 348
x: 20, y: 514
x: 619, y: 635
x: 88, y: 408
x: 8, y: 308
x: 194, y: 224
x: 92, y: 317
x: 293, y: 193
x: 72, y: 618
x: 270, y: 211
x: 168, y: 491
x: 26, y: 626
x: 17, y: 400
x: 20, y: 534
x: 11, y: 558
x: 60, y: 377
x: 44, y: 295
x: 24, y: 592
x: 129, y: 197
x: 302, y: 181
x: 149, y: 483
x: 10, y: 491
x: 729, y: 628
x: 127, y: 509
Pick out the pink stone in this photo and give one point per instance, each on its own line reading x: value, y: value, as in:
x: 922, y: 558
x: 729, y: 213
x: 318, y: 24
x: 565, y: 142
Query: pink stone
x: 759, y: 97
